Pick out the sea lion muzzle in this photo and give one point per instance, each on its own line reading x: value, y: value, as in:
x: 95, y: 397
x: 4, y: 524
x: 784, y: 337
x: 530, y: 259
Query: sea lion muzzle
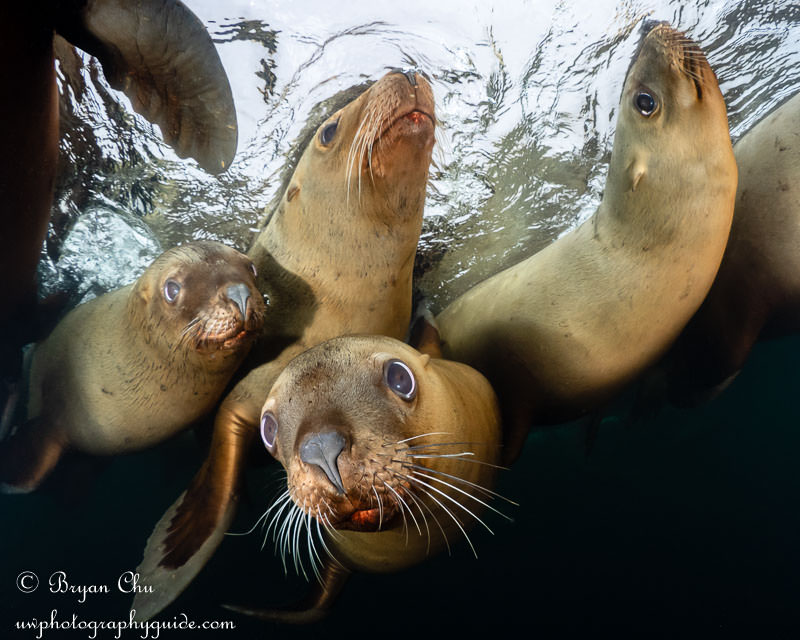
x: 239, y: 294
x: 322, y: 450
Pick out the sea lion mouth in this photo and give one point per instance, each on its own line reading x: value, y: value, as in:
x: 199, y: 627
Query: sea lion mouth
x: 222, y: 331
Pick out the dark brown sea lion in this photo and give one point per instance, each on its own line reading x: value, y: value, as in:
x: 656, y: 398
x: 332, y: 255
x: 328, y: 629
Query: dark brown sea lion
x: 134, y: 366
x: 757, y: 291
x: 157, y: 52
x: 390, y: 456
x: 336, y: 258
x: 560, y: 332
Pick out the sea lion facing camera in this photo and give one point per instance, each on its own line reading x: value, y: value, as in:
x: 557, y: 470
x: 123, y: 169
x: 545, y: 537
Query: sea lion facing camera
x: 132, y: 367
x: 560, y: 332
x: 390, y: 456
x: 336, y: 257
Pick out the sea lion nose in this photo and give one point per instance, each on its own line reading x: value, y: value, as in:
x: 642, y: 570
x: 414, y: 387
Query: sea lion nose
x: 239, y: 294
x: 322, y: 450
x: 410, y: 75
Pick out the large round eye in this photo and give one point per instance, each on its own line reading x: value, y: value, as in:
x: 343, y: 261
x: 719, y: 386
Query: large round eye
x: 645, y: 103
x: 269, y: 429
x: 171, y: 291
x: 327, y: 133
x: 398, y: 377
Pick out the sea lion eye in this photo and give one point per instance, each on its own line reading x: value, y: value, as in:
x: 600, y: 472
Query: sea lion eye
x: 269, y: 429
x: 327, y: 133
x: 398, y: 377
x: 645, y: 103
x: 171, y: 291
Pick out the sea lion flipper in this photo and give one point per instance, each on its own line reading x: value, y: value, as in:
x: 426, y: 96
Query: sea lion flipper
x: 423, y: 334
x: 159, y: 53
x: 314, y: 607
x: 28, y: 456
x: 193, y: 527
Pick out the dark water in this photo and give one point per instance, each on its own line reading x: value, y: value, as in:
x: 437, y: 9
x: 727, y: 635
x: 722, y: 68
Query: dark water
x: 686, y: 525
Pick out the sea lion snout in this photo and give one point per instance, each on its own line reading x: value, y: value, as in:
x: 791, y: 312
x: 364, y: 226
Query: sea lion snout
x: 322, y: 450
x: 239, y: 294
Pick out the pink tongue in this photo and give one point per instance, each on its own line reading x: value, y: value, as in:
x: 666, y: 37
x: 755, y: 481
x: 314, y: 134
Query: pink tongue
x: 366, y: 517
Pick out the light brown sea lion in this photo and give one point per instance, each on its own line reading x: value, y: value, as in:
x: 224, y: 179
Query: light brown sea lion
x: 757, y: 290
x: 132, y: 367
x: 390, y: 455
x: 562, y: 331
x: 336, y: 257
x: 157, y: 52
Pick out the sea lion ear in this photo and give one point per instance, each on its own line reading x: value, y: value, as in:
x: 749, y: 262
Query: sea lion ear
x: 636, y: 171
x: 160, y: 54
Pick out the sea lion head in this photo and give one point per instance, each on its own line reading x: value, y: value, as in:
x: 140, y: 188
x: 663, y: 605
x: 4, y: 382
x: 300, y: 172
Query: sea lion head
x: 363, y: 425
x: 200, y: 296
x: 672, y: 128
x: 373, y: 154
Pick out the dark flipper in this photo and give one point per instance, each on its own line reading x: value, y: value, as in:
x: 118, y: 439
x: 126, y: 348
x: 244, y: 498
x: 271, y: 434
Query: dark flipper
x: 314, y: 607
x: 160, y: 54
x: 192, y: 528
x: 28, y: 456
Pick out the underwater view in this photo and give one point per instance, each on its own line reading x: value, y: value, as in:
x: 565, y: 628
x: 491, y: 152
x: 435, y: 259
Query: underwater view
x: 668, y: 522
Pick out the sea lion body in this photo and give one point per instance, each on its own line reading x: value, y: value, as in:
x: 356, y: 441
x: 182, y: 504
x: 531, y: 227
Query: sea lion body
x: 757, y: 290
x: 158, y: 53
x: 337, y: 257
x: 562, y: 331
x: 390, y: 456
x: 129, y: 369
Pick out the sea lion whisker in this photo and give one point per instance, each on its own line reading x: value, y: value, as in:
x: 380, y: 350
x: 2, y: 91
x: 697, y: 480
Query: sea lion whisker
x: 404, y: 504
x: 319, y: 519
x: 415, y: 478
x: 380, y: 507
x: 494, y: 494
x: 421, y: 456
x: 263, y: 516
x: 297, y: 526
x: 466, y: 493
x: 402, y: 510
x: 445, y: 509
x: 420, y: 505
x: 312, y: 549
x: 460, y: 459
x: 276, y: 517
x: 421, y: 435
x: 439, y: 444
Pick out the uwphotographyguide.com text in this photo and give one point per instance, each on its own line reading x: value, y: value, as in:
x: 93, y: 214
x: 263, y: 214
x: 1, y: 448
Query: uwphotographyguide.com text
x: 146, y: 629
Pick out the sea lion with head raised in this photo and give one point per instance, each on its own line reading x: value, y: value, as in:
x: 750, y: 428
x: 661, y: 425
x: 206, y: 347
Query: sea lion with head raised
x: 134, y: 366
x: 337, y: 256
x: 560, y: 332
x: 756, y: 293
x: 390, y: 456
x: 157, y: 52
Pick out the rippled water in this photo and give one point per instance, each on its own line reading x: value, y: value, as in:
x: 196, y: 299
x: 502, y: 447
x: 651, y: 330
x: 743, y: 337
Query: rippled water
x: 689, y: 522
x: 526, y: 97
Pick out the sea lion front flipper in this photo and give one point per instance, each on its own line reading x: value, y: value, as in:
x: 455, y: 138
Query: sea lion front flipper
x: 192, y: 528
x: 160, y: 54
x: 423, y: 334
x: 28, y: 456
x: 313, y: 607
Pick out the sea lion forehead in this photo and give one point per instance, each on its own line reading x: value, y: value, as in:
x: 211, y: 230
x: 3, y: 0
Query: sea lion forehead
x: 666, y: 55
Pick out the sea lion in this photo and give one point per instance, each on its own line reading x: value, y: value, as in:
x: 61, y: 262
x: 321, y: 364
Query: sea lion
x: 390, y: 455
x: 128, y: 369
x: 756, y: 293
x: 336, y: 257
x: 157, y: 52
x: 562, y: 331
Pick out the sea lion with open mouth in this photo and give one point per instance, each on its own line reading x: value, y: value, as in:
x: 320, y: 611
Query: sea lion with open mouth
x: 561, y: 332
x: 129, y: 369
x: 336, y: 257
